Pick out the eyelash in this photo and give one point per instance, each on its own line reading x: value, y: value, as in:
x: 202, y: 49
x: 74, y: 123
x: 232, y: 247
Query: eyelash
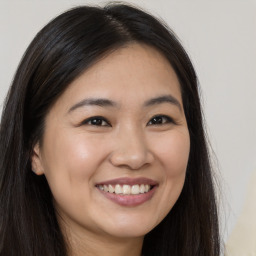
x: 168, y: 120
x: 99, y: 120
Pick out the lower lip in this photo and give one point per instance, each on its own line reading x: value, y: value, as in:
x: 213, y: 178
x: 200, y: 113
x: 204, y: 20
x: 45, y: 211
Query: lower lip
x: 130, y: 200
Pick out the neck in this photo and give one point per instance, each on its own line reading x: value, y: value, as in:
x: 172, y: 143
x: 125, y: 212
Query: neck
x: 106, y: 248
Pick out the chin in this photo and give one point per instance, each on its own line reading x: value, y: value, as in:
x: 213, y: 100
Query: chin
x: 130, y: 232
x: 132, y: 227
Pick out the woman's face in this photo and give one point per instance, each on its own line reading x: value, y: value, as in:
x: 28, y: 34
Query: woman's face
x: 116, y: 145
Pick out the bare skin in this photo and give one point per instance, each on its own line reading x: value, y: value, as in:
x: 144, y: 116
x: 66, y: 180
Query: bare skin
x: 121, y: 122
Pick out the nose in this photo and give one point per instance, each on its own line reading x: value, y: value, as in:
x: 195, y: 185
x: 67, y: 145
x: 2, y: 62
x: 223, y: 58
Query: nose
x: 131, y: 151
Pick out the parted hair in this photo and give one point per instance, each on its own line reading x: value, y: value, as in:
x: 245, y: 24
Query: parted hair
x: 58, y: 54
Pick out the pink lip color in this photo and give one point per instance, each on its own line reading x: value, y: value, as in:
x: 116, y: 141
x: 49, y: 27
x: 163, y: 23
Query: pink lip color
x: 129, y: 200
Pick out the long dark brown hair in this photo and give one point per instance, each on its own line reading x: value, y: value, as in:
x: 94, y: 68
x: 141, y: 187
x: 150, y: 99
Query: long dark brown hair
x: 59, y: 53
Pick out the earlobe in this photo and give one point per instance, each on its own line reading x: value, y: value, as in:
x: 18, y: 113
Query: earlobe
x: 36, y: 162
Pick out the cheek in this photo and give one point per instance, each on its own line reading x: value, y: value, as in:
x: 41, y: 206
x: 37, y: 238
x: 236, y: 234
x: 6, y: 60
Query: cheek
x: 70, y: 161
x: 175, y: 160
x: 173, y: 152
x: 71, y: 153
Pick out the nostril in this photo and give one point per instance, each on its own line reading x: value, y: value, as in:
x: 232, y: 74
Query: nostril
x: 131, y: 159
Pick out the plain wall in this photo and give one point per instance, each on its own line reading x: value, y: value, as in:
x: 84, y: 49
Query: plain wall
x: 220, y: 37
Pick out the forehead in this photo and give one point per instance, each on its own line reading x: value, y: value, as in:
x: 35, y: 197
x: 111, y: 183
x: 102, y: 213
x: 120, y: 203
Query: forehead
x: 136, y: 71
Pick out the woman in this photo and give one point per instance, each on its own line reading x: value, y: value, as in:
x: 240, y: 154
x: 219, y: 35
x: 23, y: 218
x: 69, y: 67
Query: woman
x: 103, y: 150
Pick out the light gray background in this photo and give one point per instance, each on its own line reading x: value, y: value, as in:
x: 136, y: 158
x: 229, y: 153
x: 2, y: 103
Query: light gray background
x: 220, y: 37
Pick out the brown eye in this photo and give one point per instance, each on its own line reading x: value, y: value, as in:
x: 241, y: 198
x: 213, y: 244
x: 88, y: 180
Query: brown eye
x: 96, y: 121
x: 160, y: 120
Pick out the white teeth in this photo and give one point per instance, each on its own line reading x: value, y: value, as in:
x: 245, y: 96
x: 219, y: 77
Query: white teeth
x: 135, y: 189
x: 105, y: 188
x: 111, y: 189
x: 142, y: 189
x: 118, y: 189
x: 125, y: 189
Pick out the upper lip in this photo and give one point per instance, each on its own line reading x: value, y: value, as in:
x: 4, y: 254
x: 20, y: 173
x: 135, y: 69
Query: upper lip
x: 129, y: 181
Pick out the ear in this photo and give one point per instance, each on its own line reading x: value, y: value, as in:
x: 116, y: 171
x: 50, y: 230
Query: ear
x: 36, y: 160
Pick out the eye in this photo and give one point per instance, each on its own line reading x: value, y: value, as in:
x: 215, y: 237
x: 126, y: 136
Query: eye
x: 96, y: 121
x: 160, y: 120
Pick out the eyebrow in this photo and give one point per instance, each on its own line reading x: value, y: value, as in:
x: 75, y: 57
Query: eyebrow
x: 101, y: 102
x: 163, y: 99
x: 94, y: 102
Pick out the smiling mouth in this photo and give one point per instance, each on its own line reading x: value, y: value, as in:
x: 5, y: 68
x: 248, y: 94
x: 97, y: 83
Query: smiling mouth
x: 129, y: 192
x: 126, y: 189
